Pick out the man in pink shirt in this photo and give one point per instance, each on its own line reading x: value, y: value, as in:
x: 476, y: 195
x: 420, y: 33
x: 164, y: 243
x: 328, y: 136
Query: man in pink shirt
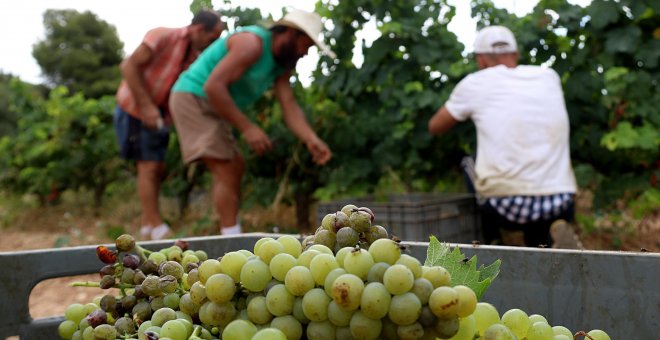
x: 142, y: 120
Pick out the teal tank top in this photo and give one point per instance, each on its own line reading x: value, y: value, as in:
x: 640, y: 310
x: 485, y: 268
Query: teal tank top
x: 250, y: 87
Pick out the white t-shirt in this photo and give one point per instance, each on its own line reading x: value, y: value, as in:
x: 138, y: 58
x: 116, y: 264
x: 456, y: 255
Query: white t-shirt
x: 522, y: 130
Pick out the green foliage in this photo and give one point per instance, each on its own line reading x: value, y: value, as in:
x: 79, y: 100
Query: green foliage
x: 462, y: 272
x: 63, y: 142
x: 8, y: 117
x: 80, y: 51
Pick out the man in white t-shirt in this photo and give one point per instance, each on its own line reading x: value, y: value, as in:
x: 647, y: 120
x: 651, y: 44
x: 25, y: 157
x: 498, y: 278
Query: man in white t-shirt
x: 522, y: 175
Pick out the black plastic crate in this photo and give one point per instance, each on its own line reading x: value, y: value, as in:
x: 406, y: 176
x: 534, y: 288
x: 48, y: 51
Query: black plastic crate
x: 416, y: 216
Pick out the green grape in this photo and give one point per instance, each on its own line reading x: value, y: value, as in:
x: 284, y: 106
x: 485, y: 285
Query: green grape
x: 208, y: 268
x: 348, y: 209
x: 389, y: 330
x: 291, y: 327
x: 398, y: 279
x: 127, y: 275
x: 186, y: 320
x: 322, y: 249
x: 315, y: 304
x: 467, y: 328
x: 259, y: 242
x: 217, y: 314
x: 143, y: 327
x: 298, y: 312
x: 598, y: 334
x: 239, y: 330
x: 90, y: 307
x: 358, y: 262
x: 105, y: 332
x: 360, y: 221
x: 142, y: 311
x: 339, y: 316
x: 341, y: 255
x: 423, y: 289
x: 190, y: 258
x: 330, y: 279
x: 404, y: 309
x: 151, y: 286
x: 269, y: 249
x: 220, y: 288
x: 347, y: 291
x: 562, y: 337
x: 498, y: 331
x: 306, y: 257
x: 299, y: 280
x: 328, y: 222
x: 124, y: 326
x: 198, y: 293
x: 467, y: 300
x: 343, y: 333
x: 128, y: 302
x: 536, y: 318
x: 377, y: 271
x: 246, y: 253
x: 75, y: 312
x: 125, y: 243
x: 291, y: 245
x: 157, y: 257
x: 88, y: 334
x: 363, y: 327
x: 231, y: 264
x: 157, y: 303
x: 385, y: 250
x: 413, y: 331
x: 438, y: 275
x: 269, y: 334
x: 375, y: 232
x: 257, y: 310
x: 444, y: 303
x: 174, y: 330
x: 279, y: 301
x: 280, y: 265
x: 320, y: 266
x: 161, y: 316
x: 412, y: 263
x: 193, y: 276
x: 168, y: 284
x: 307, y: 242
x: 561, y: 330
x: 446, y: 328
x: 375, y: 300
x: 172, y: 300
x: 83, y: 324
x: 77, y: 335
x: 427, y: 318
x: 517, y: 321
x: 321, y: 330
x: 347, y: 237
x: 325, y: 237
x: 485, y: 315
x: 172, y: 268
x: 201, y: 255
x: 66, y: 329
x: 255, y: 275
x: 540, y: 331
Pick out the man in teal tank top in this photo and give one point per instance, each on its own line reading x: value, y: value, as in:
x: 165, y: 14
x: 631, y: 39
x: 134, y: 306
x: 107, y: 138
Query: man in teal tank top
x: 230, y: 75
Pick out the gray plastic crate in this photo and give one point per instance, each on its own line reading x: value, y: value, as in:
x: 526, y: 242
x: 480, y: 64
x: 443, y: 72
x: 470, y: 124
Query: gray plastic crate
x: 614, y: 291
x: 414, y: 217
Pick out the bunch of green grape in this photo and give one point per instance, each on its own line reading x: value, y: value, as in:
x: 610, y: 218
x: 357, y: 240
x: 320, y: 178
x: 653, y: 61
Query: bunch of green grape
x: 284, y: 289
x: 348, y: 227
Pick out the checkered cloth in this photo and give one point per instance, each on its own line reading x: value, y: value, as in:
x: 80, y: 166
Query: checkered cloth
x: 522, y: 209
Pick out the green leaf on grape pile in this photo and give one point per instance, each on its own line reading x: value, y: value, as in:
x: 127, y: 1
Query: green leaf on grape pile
x: 462, y: 272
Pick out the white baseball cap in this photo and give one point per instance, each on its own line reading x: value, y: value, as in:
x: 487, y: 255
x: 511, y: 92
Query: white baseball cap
x: 308, y: 22
x: 495, y: 40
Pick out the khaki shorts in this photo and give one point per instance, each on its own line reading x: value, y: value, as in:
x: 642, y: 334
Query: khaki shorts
x: 202, y: 132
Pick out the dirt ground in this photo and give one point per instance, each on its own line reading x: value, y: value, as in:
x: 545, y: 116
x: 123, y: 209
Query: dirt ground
x: 38, y: 228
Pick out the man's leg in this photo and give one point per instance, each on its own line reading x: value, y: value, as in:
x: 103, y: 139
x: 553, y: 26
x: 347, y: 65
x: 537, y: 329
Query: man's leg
x: 149, y: 177
x: 226, y: 189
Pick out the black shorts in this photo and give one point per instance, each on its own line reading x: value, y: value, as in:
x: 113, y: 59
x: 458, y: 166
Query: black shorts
x: 138, y: 142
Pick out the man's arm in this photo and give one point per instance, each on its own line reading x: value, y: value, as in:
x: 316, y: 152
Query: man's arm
x: 243, y: 50
x: 441, y: 122
x: 297, y: 122
x: 131, y: 69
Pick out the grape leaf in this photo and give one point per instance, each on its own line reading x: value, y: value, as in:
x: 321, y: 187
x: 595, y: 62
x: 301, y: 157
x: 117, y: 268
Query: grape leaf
x: 463, y: 270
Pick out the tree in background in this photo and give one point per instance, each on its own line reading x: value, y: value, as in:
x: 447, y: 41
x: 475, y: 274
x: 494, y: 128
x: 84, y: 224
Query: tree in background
x: 7, y: 116
x: 80, y: 51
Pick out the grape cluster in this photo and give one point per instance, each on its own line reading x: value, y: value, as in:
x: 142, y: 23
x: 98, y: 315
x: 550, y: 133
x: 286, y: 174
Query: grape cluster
x: 285, y: 289
x: 348, y: 227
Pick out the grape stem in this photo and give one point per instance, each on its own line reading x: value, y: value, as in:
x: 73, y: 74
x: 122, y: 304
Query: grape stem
x: 97, y: 284
x: 197, y: 330
x: 582, y: 333
x: 142, y: 253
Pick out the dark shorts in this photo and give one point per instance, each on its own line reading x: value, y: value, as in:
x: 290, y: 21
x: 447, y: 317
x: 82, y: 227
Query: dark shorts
x: 137, y: 142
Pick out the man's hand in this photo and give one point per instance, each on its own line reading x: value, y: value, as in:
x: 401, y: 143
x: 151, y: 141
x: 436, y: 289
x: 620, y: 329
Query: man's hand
x: 321, y: 153
x: 150, y: 115
x: 257, y: 140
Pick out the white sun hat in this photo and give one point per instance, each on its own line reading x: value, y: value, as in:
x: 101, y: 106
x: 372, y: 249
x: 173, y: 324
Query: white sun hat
x: 308, y: 22
x: 495, y: 40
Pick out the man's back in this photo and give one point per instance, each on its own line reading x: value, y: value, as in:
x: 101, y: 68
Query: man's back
x: 522, y: 130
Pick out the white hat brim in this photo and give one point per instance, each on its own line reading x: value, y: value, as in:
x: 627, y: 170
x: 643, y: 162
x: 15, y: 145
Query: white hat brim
x: 320, y: 44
